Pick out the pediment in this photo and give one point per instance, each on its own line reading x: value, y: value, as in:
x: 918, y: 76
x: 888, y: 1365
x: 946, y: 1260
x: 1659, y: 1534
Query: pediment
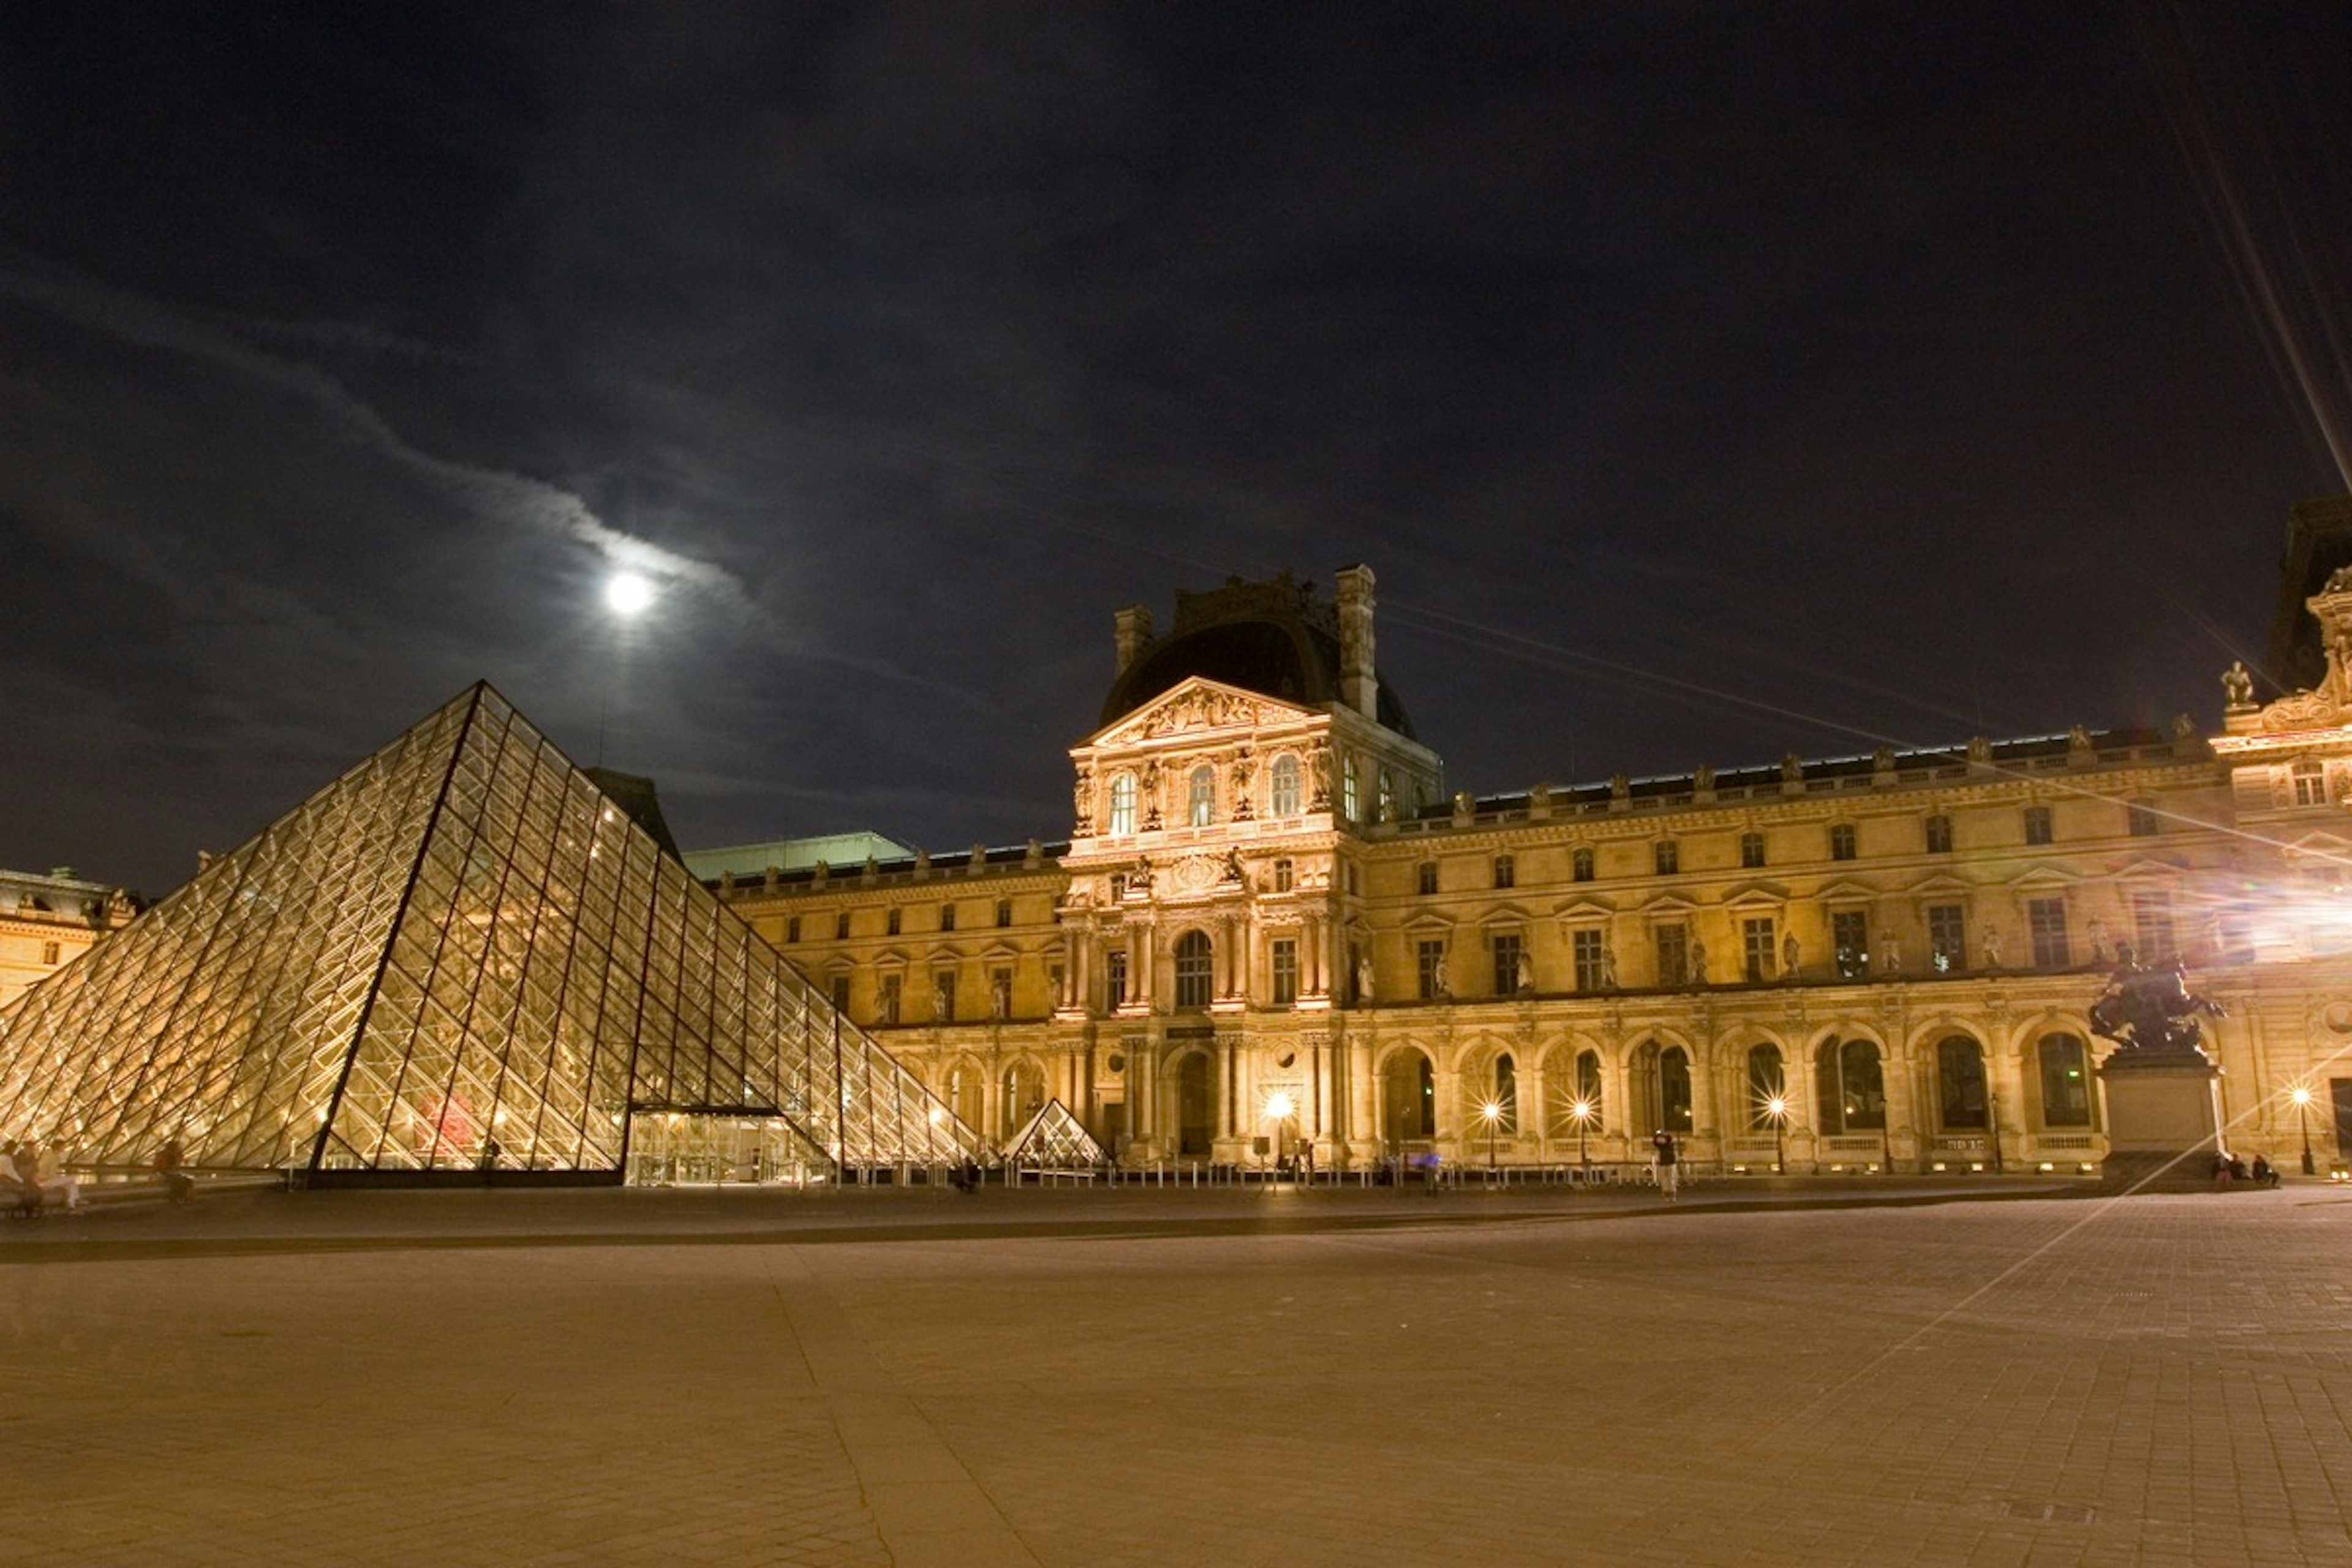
x: 2045, y: 875
x: 1846, y: 890
x: 1583, y: 910
x: 1669, y: 904
x: 1202, y: 705
x: 1942, y: 884
x: 1753, y: 893
x: 1505, y: 915
x: 2148, y: 868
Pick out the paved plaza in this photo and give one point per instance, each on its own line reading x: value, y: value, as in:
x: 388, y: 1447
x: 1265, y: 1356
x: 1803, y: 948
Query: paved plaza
x: 1088, y: 1378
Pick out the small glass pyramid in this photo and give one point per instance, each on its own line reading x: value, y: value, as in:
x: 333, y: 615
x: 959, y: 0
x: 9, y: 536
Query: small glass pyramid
x: 1053, y: 1139
x: 458, y: 957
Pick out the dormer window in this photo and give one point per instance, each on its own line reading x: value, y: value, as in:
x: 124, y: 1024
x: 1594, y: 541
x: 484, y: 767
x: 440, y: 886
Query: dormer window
x: 2310, y: 781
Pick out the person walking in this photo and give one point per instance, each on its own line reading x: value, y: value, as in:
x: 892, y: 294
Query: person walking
x: 1665, y: 1158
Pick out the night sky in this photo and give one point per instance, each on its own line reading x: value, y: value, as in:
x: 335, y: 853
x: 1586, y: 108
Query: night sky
x: 1703, y: 382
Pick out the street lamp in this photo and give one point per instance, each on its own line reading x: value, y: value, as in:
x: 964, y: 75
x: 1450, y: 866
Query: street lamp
x: 2302, y: 1098
x: 1492, y: 1112
x: 1583, y: 1112
x: 1778, y: 1108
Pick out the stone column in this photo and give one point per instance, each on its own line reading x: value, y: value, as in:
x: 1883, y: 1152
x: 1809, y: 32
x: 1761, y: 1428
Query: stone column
x: 1326, y: 1108
x: 1363, y: 1121
x: 1535, y: 1110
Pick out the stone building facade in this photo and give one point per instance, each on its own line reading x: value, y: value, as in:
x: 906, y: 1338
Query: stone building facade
x: 1270, y: 928
x: 48, y: 919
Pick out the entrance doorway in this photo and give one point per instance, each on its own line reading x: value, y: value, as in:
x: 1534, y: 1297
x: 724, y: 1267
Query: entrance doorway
x: 678, y: 1148
x: 1195, y: 1132
x: 1408, y: 1097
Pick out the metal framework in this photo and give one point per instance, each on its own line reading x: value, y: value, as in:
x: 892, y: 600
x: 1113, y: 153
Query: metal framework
x: 1053, y: 1139
x: 460, y: 957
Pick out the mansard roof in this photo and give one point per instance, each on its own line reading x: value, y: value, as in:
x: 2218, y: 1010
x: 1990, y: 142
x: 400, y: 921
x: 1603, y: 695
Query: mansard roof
x: 1276, y: 638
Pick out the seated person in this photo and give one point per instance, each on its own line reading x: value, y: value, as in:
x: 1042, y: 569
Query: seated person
x: 2265, y: 1174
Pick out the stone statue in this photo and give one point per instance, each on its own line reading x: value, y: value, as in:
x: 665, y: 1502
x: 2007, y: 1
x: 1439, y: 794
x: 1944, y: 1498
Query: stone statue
x: 1890, y: 954
x: 1980, y: 749
x: 1789, y: 954
x: 2237, y: 685
x: 1608, y: 967
x: 1526, y: 977
x: 1993, y: 947
x: 1000, y: 997
x: 1082, y: 798
x: 939, y: 1009
x: 1232, y: 868
x: 1698, y: 961
x: 1139, y: 879
x: 2077, y: 738
x: 1364, y: 980
x: 2150, y: 1009
x: 1792, y: 770
x: 1320, y: 766
x: 1703, y: 780
x: 1245, y: 769
x: 1444, y: 977
x: 2098, y: 939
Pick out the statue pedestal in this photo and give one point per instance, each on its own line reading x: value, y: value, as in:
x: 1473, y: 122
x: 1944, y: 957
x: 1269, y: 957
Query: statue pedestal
x: 2164, y: 1121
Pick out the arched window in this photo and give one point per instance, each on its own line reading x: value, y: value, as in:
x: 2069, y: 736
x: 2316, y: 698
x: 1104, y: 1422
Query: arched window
x: 1194, y: 960
x: 1122, y: 804
x: 1767, y: 1085
x: 1506, y: 1093
x: 1284, y: 789
x: 1025, y: 1094
x: 1675, y: 1090
x: 1200, y: 797
x: 1583, y: 1088
x: 2065, y: 1081
x: 1408, y: 1096
x: 1851, y: 1085
x: 1961, y: 1084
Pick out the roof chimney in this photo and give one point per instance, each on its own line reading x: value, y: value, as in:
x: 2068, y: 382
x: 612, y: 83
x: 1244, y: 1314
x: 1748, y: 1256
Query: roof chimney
x: 1359, y: 688
x: 1134, y: 636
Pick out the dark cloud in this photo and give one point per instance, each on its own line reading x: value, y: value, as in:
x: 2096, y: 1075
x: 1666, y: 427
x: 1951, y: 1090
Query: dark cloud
x: 1703, y: 382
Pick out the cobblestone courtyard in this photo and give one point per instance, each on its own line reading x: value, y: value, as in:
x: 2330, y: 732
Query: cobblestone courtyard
x: 1084, y: 1379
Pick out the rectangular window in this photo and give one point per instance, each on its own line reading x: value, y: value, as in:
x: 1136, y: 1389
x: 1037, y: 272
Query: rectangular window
x: 1115, y: 979
x: 890, y: 923
x: 1581, y: 864
x: 886, y: 1010
x: 1674, y: 954
x: 1667, y: 855
x: 1285, y: 971
x: 2139, y: 820
x: 1284, y: 875
x: 947, y: 917
x: 1841, y: 841
x: 1425, y: 877
x: 49, y: 952
x: 1351, y: 804
x: 943, y: 989
x: 2310, y: 784
x: 1947, y: 937
x: 1758, y: 948
x: 841, y: 926
x: 792, y: 929
x: 2152, y: 919
x: 1505, y: 872
x: 1939, y: 834
x: 1591, y: 971
x: 1751, y: 850
x: 1510, y: 948
x: 1004, y: 911
x: 2045, y: 921
x: 2037, y: 824
x: 1849, y: 943
x: 1429, y: 958
x: 841, y: 993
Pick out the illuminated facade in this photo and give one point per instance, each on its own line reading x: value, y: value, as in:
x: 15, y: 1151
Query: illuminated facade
x: 48, y: 920
x: 466, y: 960
x: 1269, y: 926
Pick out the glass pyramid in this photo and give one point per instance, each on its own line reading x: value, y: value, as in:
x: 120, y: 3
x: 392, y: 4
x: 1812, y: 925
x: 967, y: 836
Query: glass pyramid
x: 459, y: 956
x: 1053, y: 1139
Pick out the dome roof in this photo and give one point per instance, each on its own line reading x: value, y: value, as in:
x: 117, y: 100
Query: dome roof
x: 1274, y: 638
